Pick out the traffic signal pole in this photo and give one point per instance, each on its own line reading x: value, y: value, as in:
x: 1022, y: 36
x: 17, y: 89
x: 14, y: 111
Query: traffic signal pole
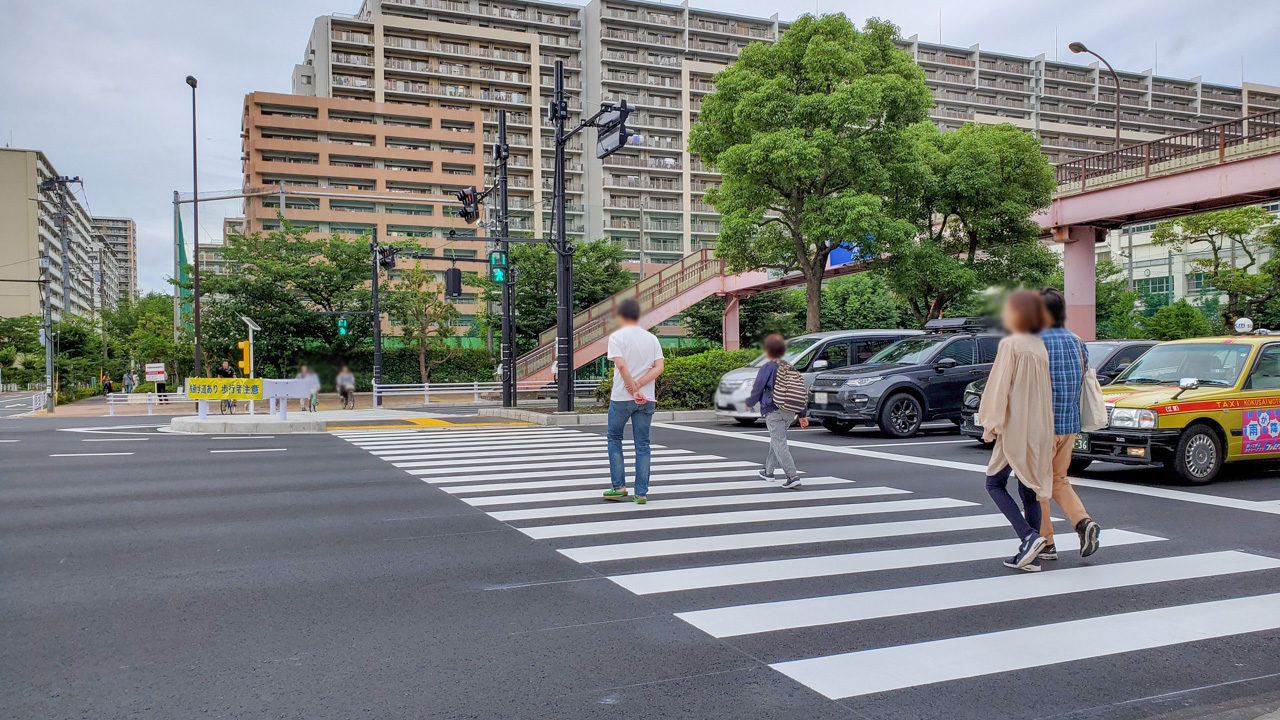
x: 508, y: 350
x: 564, y: 255
x: 377, y: 317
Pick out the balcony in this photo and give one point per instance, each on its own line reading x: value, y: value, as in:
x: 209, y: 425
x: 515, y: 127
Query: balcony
x: 352, y: 37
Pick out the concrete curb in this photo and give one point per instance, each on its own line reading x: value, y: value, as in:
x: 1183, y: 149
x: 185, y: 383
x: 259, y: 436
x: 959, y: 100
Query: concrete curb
x: 558, y: 419
x: 264, y: 426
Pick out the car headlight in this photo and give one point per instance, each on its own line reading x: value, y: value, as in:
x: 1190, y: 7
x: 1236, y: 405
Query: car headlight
x: 748, y: 383
x: 863, y: 381
x: 1133, y: 418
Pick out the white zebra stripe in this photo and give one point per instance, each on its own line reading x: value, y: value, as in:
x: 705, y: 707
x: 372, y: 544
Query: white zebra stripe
x: 655, y: 479
x: 595, y: 494
x: 594, y: 470
x: 514, y: 459
x: 777, y: 495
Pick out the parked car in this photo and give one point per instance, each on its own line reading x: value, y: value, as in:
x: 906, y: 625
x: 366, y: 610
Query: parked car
x: 1108, y: 358
x: 1192, y: 406
x: 912, y: 381
x: 811, y: 354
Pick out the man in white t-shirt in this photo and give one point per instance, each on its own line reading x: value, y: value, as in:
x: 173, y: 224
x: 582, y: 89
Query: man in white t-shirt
x: 637, y: 362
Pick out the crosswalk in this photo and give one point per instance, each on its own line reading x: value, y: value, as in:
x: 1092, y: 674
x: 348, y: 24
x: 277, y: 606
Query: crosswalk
x: 740, y: 557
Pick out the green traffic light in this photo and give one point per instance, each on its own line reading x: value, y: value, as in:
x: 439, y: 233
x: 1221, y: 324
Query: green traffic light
x: 342, y: 326
x: 499, y: 275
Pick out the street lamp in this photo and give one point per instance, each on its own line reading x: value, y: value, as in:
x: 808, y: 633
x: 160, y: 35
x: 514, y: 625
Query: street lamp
x: 1078, y: 47
x: 195, y: 234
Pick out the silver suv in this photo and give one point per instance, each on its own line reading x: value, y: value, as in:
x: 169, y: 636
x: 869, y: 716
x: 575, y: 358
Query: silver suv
x: 811, y: 354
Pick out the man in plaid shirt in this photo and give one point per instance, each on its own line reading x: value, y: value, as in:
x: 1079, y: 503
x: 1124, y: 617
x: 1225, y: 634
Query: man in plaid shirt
x: 1067, y: 359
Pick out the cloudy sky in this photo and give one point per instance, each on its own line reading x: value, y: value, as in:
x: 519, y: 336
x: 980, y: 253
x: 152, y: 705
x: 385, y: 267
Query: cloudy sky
x: 99, y: 86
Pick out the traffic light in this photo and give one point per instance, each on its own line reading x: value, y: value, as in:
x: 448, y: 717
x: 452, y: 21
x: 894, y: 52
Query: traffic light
x: 498, y: 266
x: 452, y: 282
x: 611, y: 130
x: 470, y: 200
x: 387, y: 257
x: 245, y: 362
x: 342, y: 326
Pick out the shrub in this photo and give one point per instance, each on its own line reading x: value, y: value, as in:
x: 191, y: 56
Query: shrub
x: 690, y: 381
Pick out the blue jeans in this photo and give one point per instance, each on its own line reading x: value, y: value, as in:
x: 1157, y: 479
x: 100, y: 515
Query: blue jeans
x: 641, y: 416
x: 1024, y: 523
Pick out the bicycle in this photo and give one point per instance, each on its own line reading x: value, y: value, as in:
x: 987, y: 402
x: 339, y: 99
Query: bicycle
x: 348, y: 399
x: 228, y: 407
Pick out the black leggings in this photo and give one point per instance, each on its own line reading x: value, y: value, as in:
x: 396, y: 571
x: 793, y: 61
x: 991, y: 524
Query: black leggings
x: 1026, y: 522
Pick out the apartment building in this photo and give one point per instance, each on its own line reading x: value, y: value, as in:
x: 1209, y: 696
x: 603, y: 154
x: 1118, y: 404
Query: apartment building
x: 30, y: 238
x: 121, y: 235
x: 352, y: 166
x: 486, y: 54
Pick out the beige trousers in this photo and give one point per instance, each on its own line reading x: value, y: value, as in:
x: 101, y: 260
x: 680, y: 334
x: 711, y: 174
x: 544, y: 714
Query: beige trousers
x: 1063, y: 493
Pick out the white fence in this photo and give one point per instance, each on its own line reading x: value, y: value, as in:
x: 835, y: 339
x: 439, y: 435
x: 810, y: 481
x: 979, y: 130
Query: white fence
x: 150, y: 399
x: 477, y: 393
x: 9, y: 387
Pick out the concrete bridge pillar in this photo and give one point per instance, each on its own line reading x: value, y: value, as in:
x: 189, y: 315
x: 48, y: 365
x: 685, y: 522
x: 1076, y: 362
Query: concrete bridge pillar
x: 729, y: 323
x: 1080, y: 276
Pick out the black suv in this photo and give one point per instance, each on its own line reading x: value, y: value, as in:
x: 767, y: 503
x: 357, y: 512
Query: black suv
x: 913, y: 380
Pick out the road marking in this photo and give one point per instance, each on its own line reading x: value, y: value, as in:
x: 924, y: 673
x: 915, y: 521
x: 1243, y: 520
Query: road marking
x: 244, y: 450
x: 8, y: 441
x: 892, y: 668
x: 512, y: 459
x: 776, y: 495
x: 597, y: 448
x: 723, y: 464
x: 452, y: 435
x: 778, y: 538
x: 594, y: 494
x: 894, y: 602
x: 1181, y: 495
x: 110, y: 440
x: 594, y: 460
x: 243, y: 437
x: 101, y: 454
x: 655, y: 480
x: 461, y: 444
x: 451, y: 431
x: 671, y: 522
x: 748, y: 573
x: 927, y: 442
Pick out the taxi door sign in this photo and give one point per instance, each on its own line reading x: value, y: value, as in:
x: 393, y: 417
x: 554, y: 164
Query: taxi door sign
x: 1261, y: 431
x: 224, y: 388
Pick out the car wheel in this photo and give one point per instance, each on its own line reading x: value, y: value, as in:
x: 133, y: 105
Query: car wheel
x: 901, y: 416
x: 748, y: 422
x: 1199, y: 455
x: 839, y: 427
x: 1079, y: 465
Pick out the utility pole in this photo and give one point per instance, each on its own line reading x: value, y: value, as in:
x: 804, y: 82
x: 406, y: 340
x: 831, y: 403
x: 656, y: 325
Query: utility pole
x: 508, y: 349
x: 195, y: 235
x: 177, y: 268
x: 559, y: 112
x: 377, y: 316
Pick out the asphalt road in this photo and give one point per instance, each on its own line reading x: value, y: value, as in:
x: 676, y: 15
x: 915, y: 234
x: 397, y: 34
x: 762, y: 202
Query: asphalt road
x: 473, y: 573
x: 12, y: 404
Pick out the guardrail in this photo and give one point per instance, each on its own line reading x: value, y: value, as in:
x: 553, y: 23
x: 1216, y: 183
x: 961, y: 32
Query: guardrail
x: 479, y: 392
x: 1236, y: 139
x: 150, y: 399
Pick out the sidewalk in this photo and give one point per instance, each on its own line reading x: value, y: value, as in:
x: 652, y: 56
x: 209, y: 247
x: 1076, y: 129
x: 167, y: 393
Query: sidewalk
x: 97, y: 406
x: 297, y: 421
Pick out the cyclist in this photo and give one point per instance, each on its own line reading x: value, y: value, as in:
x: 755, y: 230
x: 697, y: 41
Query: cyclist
x: 346, y: 383
x: 226, y: 371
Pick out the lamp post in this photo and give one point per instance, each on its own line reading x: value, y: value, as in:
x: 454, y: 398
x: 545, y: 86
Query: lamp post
x: 1078, y: 47
x: 195, y: 235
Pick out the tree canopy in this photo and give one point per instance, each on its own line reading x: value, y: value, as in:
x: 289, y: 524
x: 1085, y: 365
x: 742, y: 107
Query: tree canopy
x: 809, y: 135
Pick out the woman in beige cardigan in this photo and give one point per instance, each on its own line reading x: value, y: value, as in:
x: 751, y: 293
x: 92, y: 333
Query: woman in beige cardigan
x: 1017, y: 414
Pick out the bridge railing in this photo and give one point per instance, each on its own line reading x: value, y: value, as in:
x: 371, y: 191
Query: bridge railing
x: 1210, y: 145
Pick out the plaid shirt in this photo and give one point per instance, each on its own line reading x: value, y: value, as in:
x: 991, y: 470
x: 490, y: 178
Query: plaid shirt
x: 1065, y: 375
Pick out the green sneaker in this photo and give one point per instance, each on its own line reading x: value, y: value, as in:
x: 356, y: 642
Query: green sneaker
x: 615, y: 494
x: 639, y: 500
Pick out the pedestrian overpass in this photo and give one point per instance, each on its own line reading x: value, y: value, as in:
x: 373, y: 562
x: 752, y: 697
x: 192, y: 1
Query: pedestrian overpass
x: 1219, y: 166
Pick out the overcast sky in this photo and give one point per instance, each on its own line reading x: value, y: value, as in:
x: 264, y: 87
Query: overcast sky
x: 98, y: 86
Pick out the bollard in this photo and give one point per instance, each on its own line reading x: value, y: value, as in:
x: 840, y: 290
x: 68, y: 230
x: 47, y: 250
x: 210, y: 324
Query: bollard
x: 475, y: 391
x: 202, y: 408
x: 150, y: 398
x: 111, y: 405
x: 426, y: 393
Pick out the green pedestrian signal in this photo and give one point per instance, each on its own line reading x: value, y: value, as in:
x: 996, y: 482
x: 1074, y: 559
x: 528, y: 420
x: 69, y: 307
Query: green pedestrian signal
x: 342, y: 326
x: 498, y: 266
x: 499, y: 274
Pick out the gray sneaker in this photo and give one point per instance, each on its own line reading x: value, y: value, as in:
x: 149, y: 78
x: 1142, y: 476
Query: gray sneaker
x: 1088, y: 530
x: 766, y: 476
x: 792, y: 483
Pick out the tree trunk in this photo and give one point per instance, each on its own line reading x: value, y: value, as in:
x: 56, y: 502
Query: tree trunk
x: 422, y: 361
x: 813, y: 301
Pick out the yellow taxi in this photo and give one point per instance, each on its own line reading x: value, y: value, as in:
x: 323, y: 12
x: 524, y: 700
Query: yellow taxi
x: 1191, y: 406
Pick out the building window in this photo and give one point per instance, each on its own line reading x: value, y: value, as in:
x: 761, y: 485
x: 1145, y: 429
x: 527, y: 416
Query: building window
x: 1198, y: 283
x: 1154, y: 286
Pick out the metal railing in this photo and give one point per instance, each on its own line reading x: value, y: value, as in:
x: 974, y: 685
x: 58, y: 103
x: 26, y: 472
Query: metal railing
x: 477, y: 392
x: 1210, y: 145
x: 591, y: 324
x: 151, y: 400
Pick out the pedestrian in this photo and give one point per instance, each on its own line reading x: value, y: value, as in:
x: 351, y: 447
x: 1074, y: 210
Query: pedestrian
x: 780, y: 392
x: 346, y: 385
x: 304, y: 374
x: 313, y: 384
x: 637, y: 360
x: 107, y: 386
x: 129, y: 382
x: 1016, y: 414
x: 1068, y: 360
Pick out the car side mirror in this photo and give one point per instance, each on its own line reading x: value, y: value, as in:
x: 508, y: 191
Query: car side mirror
x: 945, y: 364
x: 820, y: 365
x: 1189, y: 383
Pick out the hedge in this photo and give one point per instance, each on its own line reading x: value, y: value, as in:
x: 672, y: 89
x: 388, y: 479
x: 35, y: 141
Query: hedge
x: 689, y: 382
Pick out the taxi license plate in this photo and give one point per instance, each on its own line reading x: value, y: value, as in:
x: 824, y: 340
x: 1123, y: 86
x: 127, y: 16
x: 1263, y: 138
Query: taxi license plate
x: 1082, y: 443
x: 820, y: 398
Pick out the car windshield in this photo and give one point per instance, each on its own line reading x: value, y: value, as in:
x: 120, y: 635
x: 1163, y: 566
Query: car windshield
x: 1216, y: 363
x: 795, y: 348
x: 909, y: 351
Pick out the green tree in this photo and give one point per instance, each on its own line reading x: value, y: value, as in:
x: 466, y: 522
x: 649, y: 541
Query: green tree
x: 1176, y: 321
x: 809, y: 134
x: 597, y: 274
x: 971, y: 198
x: 416, y: 304
x: 1232, y: 238
x: 283, y: 279
x: 861, y: 301
x: 759, y: 315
